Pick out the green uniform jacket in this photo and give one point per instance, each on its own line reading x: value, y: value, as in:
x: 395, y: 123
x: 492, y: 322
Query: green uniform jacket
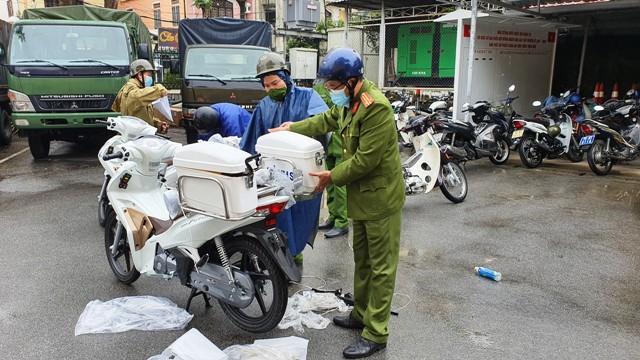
x: 371, y: 168
x: 135, y: 100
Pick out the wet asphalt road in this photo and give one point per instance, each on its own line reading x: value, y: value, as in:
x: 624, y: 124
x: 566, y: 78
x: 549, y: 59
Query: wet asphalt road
x: 566, y: 241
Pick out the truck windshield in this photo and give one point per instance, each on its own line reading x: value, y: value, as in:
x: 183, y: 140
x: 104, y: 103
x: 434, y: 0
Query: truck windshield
x: 66, y: 44
x: 222, y: 63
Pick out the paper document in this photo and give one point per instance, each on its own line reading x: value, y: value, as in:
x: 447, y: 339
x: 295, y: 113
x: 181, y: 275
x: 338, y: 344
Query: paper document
x: 162, y: 105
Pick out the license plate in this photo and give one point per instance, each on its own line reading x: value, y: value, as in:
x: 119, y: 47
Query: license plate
x: 517, y: 134
x: 587, y: 140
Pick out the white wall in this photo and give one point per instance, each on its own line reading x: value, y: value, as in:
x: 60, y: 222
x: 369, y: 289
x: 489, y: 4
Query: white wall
x: 505, y: 55
x: 4, y: 9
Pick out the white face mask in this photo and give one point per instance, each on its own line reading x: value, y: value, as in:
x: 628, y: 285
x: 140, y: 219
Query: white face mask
x: 339, y: 97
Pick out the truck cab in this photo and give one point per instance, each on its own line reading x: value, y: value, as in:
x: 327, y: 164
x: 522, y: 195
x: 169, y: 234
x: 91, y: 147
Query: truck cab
x: 219, y: 73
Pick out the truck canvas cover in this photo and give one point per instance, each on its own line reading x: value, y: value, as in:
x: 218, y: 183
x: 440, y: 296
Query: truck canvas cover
x: 135, y: 26
x: 223, y: 31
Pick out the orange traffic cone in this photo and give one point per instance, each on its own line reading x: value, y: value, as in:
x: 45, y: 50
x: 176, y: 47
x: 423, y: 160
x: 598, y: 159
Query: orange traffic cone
x: 601, y: 93
x: 595, y: 93
x: 614, y: 93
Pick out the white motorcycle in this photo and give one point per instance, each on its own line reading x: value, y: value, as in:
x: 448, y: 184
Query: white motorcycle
x: 429, y: 166
x: 550, y: 136
x: 402, y: 111
x: 216, y: 232
x: 127, y: 128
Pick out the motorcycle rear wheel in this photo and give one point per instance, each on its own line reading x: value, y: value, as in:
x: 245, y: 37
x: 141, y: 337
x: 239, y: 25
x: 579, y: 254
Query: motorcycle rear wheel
x: 529, y: 155
x: 270, y: 286
x: 453, y: 178
x: 598, y: 163
x: 121, y: 263
x: 574, y: 154
x: 502, y: 155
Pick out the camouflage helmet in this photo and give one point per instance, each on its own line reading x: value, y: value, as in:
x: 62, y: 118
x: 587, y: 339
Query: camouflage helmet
x: 270, y: 62
x: 140, y: 65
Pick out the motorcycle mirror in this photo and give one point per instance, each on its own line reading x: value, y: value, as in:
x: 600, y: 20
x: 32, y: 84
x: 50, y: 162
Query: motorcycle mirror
x: 565, y: 94
x: 598, y: 108
x: 536, y: 103
x: 511, y: 88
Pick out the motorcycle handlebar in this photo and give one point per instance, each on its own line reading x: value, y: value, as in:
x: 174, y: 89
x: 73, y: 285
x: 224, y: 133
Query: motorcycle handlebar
x: 102, y: 121
x: 116, y: 155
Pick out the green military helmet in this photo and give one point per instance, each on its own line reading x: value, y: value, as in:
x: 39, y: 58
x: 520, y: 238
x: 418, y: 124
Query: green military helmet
x: 270, y: 62
x: 553, y: 130
x: 140, y: 65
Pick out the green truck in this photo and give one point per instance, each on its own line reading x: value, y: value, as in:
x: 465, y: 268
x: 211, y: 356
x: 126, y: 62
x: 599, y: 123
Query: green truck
x: 64, y: 67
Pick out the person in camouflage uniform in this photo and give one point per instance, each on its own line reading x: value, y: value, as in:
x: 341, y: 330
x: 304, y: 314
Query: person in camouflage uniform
x: 136, y: 96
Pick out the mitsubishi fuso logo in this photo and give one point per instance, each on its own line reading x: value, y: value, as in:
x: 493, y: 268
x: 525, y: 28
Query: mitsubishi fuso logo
x: 74, y: 105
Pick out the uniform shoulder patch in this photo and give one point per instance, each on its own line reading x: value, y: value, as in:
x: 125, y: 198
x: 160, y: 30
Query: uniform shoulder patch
x: 366, y: 99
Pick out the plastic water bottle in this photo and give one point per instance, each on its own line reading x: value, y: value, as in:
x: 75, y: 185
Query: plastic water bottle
x: 488, y: 273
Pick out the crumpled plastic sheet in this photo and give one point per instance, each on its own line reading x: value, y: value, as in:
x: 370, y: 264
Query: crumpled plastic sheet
x: 232, y: 141
x: 258, y: 352
x: 301, y: 307
x: 131, y: 313
x: 269, y: 177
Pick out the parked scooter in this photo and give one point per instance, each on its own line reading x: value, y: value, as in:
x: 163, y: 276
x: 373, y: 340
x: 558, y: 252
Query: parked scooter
x: 127, y: 129
x: 402, y: 111
x: 550, y: 136
x: 216, y: 232
x: 489, y: 137
x: 429, y: 166
x: 610, y: 143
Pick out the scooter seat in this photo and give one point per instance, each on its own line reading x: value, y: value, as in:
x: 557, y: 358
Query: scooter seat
x: 160, y: 226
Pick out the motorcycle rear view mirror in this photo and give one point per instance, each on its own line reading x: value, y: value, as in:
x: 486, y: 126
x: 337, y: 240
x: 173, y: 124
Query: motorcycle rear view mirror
x: 565, y: 94
x: 536, y: 103
x: 511, y: 88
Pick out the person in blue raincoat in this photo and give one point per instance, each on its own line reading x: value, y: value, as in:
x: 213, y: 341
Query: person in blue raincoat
x: 225, y: 119
x: 285, y: 102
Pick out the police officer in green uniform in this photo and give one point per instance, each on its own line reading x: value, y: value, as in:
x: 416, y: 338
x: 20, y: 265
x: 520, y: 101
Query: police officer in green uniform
x: 136, y: 96
x: 372, y: 172
x: 337, y: 223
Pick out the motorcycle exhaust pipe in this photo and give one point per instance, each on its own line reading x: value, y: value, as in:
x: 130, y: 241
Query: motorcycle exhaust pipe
x: 455, y: 151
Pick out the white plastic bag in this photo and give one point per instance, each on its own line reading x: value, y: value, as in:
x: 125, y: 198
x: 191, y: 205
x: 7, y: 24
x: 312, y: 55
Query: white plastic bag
x: 131, y: 313
x: 301, y: 307
x: 296, y: 345
x: 191, y: 346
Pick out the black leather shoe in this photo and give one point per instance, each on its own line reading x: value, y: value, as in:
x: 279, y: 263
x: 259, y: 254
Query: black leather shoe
x: 336, y: 231
x: 326, y: 225
x: 362, y: 348
x: 348, y: 322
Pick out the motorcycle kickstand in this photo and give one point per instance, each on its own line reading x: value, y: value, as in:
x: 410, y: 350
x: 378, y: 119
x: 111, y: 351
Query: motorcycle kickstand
x: 195, y: 292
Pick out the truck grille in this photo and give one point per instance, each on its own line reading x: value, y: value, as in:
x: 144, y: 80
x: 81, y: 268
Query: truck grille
x: 74, y: 104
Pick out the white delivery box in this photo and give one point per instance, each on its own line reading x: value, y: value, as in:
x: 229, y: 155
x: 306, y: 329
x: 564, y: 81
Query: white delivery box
x: 283, y: 150
x: 213, y: 178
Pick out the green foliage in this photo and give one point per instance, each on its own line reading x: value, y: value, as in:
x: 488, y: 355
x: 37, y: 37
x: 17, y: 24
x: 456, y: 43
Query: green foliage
x: 171, y: 81
x: 322, y: 26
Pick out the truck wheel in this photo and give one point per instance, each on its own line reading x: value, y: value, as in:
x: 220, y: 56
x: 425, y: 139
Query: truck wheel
x: 39, y: 146
x: 5, y: 128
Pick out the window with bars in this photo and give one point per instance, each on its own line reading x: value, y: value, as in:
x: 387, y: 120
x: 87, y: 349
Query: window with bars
x: 157, y: 22
x: 175, y: 15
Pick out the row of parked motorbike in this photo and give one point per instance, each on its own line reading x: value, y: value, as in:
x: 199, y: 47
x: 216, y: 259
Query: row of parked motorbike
x: 565, y: 126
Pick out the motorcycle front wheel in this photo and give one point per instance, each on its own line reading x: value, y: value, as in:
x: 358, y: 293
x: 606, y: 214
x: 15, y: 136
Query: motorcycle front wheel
x: 269, y: 282
x: 530, y: 155
x: 502, y: 154
x: 121, y: 262
x: 454, y: 183
x: 598, y: 163
x: 574, y: 154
